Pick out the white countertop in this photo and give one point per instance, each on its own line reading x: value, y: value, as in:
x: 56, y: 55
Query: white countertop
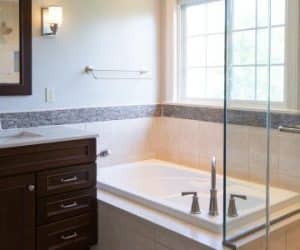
x: 41, y: 135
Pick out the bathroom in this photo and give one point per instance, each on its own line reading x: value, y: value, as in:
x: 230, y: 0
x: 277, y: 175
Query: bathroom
x: 112, y: 139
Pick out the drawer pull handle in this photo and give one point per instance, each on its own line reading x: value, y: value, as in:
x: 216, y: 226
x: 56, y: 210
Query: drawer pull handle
x: 69, y: 237
x: 72, y: 205
x: 63, y: 180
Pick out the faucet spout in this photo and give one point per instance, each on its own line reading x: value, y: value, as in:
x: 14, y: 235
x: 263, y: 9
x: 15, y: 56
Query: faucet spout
x: 213, y: 204
x: 213, y: 173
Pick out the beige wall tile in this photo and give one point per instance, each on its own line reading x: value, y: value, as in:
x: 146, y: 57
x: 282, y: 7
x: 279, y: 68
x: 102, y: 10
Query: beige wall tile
x: 289, y: 154
x: 293, y: 237
x: 257, y: 245
x: 258, y: 151
x: 238, y: 151
x: 193, y: 143
x: 179, y: 141
x: 211, y: 144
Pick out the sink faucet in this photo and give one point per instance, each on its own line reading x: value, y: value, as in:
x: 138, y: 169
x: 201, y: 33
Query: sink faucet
x: 213, y: 203
x: 195, y: 209
x: 232, y: 211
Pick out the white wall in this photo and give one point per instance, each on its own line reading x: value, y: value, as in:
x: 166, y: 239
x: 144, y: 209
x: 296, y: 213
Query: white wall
x: 108, y: 34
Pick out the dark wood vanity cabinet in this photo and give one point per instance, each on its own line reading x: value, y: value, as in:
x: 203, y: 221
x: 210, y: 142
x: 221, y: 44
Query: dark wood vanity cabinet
x: 48, y: 200
x: 17, y: 213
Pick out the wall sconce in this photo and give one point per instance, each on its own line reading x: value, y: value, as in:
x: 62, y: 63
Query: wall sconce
x: 52, y: 18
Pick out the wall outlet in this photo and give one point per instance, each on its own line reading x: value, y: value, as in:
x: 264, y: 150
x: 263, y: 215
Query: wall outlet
x: 49, y: 95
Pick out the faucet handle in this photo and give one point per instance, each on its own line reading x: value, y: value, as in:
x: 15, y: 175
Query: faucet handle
x: 232, y: 210
x: 239, y: 196
x: 189, y: 193
x: 195, y: 208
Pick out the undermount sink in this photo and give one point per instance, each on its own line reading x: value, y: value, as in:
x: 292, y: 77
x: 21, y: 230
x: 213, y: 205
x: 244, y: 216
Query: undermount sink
x: 14, y: 136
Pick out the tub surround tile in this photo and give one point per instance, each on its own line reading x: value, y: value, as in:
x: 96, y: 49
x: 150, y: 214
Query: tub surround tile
x: 293, y: 234
x: 289, y: 154
x: 134, y: 225
x: 168, y: 234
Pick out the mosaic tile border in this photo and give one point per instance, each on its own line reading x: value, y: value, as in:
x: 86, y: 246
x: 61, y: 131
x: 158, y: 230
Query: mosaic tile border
x: 75, y: 116
x: 83, y: 115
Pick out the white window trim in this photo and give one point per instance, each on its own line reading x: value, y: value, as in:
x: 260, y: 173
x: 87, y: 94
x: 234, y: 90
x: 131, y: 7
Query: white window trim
x: 174, y: 55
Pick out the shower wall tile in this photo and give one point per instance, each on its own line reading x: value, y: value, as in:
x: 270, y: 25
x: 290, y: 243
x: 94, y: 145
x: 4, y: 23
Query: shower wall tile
x: 290, y: 154
x: 193, y: 143
x: 190, y: 142
x: 258, y: 149
x: 178, y: 141
x: 238, y: 151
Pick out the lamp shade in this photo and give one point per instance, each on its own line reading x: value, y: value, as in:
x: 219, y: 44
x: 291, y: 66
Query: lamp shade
x: 55, y: 15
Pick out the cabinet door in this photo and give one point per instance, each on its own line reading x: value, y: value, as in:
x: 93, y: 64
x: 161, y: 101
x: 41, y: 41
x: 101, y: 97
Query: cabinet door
x: 17, y: 213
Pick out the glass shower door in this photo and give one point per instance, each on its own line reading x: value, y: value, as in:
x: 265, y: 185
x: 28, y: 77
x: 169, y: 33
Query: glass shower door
x: 262, y: 130
x: 247, y: 120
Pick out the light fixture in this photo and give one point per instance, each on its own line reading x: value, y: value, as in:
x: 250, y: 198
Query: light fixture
x: 52, y: 18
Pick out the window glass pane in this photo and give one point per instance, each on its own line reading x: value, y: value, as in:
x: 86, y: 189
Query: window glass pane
x: 243, y: 47
x: 278, y: 12
x: 262, y: 46
x: 277, y: 83
x: 215, y: 50
x: 196, y: 51
x: 243, y: 83
x: 215, y: 16
x: 278, y: 45
x: 262, y: 13
x: 195, y: 83
x: 195, y: 19
x: 215, y: 83
x: 262, y: 84
x: 244, y: 14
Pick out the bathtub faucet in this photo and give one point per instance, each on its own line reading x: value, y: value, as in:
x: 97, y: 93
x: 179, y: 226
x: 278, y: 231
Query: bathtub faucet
x: 195, y: 209
x: 213, y: 203
x: 232, y: 211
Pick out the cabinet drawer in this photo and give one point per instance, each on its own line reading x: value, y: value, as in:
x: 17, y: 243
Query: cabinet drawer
x: 58, y: 207
x: 66, y: 179
x: 73, y: 234
x: 29, y: 159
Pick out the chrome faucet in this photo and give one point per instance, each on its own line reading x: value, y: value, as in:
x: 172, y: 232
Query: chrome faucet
x: 195, y: 208
x: 232, y: 211
x: 213, y: 203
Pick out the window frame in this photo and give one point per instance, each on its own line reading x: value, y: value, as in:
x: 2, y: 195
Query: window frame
x: 291, y: 64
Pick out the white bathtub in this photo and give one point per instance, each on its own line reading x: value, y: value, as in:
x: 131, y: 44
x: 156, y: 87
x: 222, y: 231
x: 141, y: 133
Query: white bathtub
x: 159, y: 185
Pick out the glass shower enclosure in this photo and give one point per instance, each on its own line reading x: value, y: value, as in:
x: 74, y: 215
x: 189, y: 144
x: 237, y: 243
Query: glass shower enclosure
x: 260, y: 91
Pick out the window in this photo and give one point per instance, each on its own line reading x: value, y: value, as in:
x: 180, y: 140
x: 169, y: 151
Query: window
x: 201, y: 75
x: 249, y: 50
x: 202, y: 59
